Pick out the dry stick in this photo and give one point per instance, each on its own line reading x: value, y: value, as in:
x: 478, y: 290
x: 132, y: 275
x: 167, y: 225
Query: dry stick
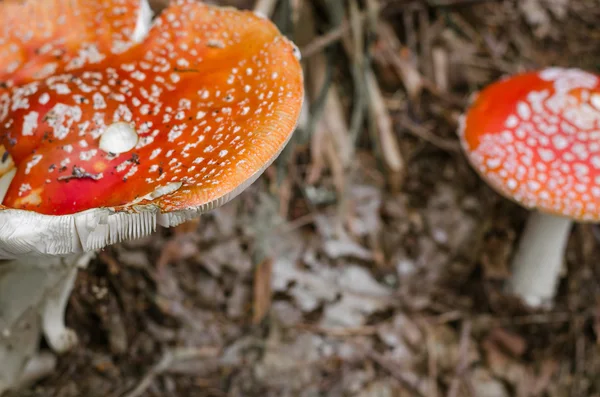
x: 486, y: 320
x: 411, y: 384
x: 580, y: 358
x: 168, y: 358
x: 447, y: 3
x: 334, y: 35
x: 425, y: 41
x: 431, y: 363
x: 354, y: 47
x: 387, y: 139
x: 428, y: 136
x: 461, y: 367
x: 341, y: 332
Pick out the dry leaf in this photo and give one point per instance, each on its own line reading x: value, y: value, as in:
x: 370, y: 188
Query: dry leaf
x: 485, y: 385
x: 538, y: 14
x: 262, y: 290
x: 510, y: 341
x: 349, y: 294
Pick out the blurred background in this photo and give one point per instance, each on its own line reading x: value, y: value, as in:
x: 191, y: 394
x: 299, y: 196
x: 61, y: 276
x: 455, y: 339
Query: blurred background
x: 369, y: 259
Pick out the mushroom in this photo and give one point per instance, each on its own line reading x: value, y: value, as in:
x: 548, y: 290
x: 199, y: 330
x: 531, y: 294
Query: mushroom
x: 116, y: 138
x: 535, y: 138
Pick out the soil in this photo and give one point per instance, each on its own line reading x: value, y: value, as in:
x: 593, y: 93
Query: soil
x: 370, y: 259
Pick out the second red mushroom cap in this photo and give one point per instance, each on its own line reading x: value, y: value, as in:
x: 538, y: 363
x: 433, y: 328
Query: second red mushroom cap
x: 535, y: 138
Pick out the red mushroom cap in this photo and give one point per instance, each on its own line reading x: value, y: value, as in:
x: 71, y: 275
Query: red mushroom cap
x: 535, y: 138
x: 39, y: 38
x: 212, y: 96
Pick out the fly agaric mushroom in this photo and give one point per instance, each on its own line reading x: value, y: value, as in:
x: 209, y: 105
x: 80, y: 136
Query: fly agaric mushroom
x: 37, y: 39
x: 104, y: 149
x: 535, y: 138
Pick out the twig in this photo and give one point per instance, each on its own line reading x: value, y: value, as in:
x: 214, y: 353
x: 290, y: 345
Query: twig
x: 80, y: 173
x: 448, y: 3
x: 428, y: 136
x: 425, y: 42
x: 334, y: 35
x: 461, y: 366
x: 580, y: 358
x: 365, y: 330
x: 413, y: 385
x: 487, y: 320
x: 169, y: 358
x: 387, y: 140
x: 431, y: 363
x: 360, y: 64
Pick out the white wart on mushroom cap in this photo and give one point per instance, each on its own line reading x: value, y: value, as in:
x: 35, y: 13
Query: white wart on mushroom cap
x: 212, y: 96
x: 535, y: 138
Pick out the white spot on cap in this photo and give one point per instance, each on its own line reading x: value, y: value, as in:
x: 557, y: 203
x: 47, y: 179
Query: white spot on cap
x: 44, y: 98
x: 494, y: 163
x: 523, y: 110
x: 551, y: 73
x: 118, y: 138
x: 595, y: 101
x: 546, y: 155
x: 30, y: 123
x: 560, y: 142
x: 511, y: 122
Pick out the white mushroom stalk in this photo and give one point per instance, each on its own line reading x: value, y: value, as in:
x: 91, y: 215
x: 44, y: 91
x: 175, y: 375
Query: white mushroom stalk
x: 538, y: 261
x: 33, y: 300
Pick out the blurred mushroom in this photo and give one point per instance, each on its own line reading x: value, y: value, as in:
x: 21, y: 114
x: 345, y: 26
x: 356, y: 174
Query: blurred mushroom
x: 105, y: 148
x: 44, y: 37
x: 535, y: 138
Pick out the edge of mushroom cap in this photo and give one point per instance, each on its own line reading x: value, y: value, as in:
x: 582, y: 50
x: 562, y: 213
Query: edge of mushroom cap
x: 462, y: 126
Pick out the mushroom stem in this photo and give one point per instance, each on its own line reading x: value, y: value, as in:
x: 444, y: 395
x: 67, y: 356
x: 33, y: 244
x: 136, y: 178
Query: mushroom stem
x: 537, y: 263
x: 34, y: 293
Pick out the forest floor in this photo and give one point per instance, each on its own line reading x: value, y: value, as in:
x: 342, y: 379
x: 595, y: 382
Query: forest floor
x: 369, y: 259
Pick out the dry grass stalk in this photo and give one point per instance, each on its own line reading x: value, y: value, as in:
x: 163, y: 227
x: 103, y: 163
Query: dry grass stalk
x: 387, y: 139
x: 265, y: 7
x: 391, y: 50
x: 330, y: 144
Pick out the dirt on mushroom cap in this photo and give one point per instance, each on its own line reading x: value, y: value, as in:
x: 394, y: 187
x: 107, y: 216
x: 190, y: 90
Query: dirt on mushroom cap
x: 214, y: 95
x: 535, y: 138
